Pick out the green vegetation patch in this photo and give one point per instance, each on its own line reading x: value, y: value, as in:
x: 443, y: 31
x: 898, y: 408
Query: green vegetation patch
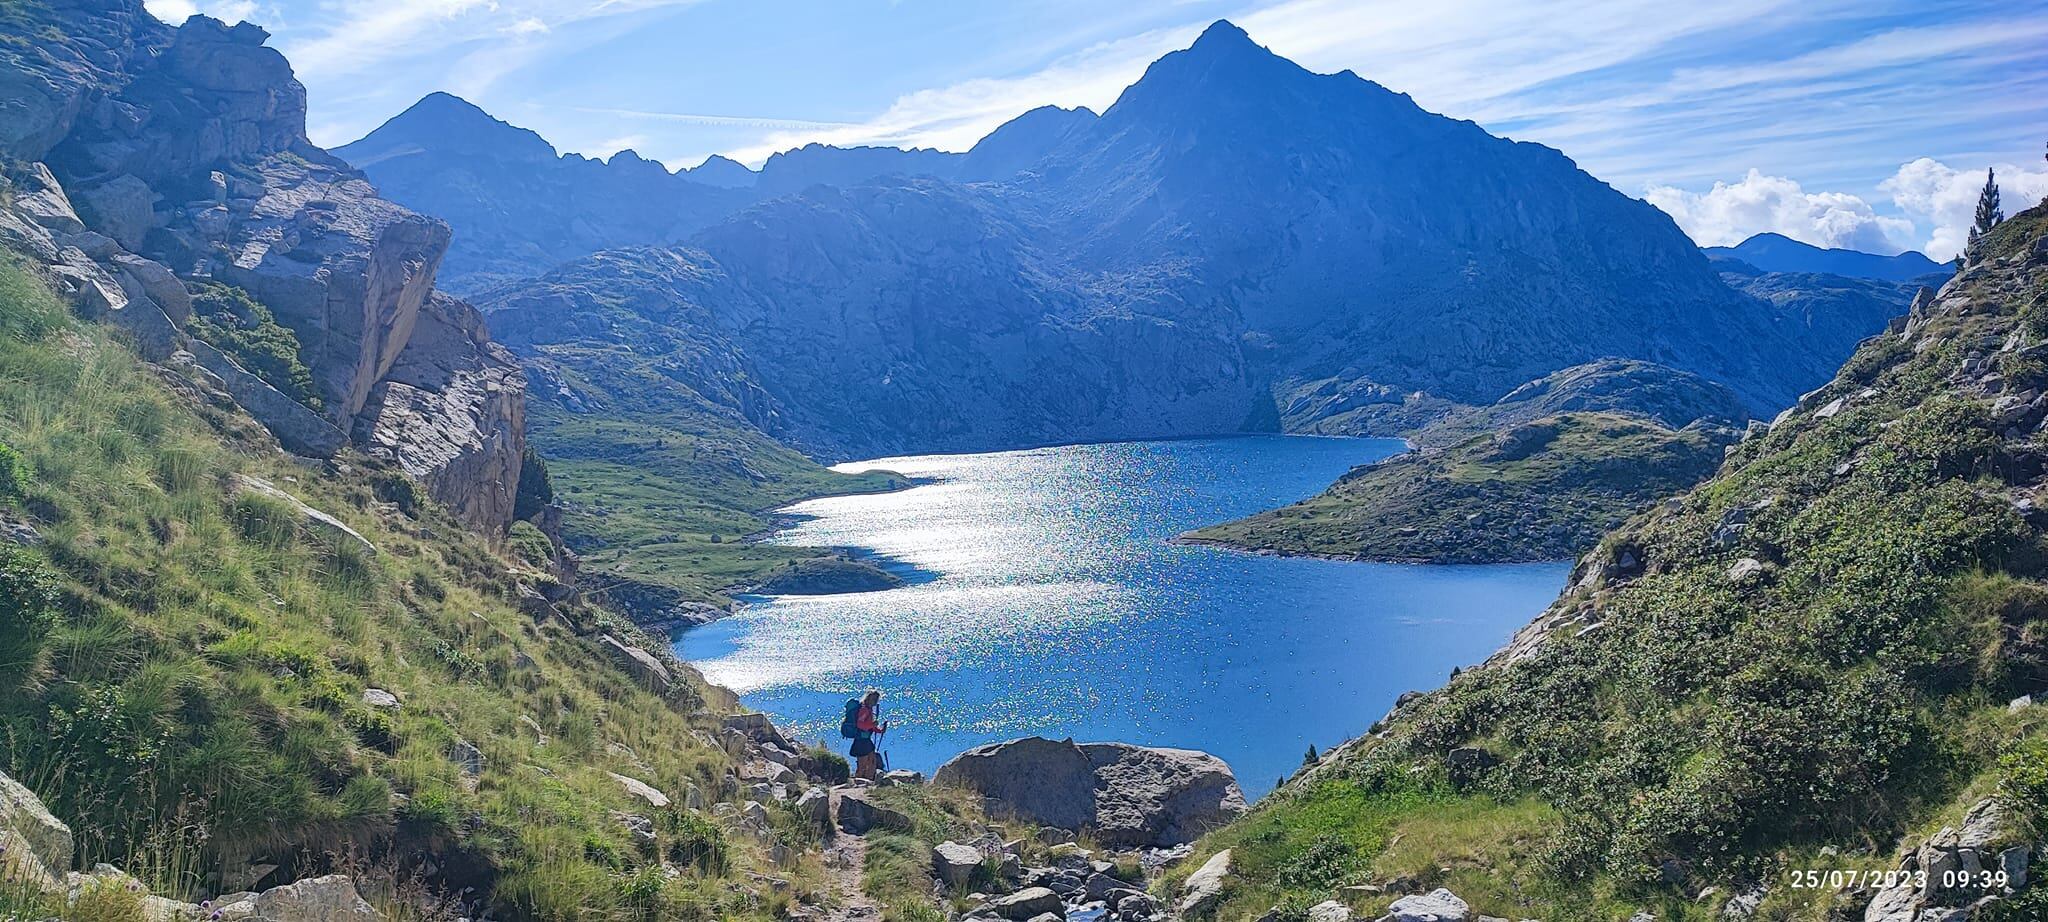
x: 1798, y: 664
x: 183, y: 668
x: 231, y: 321
x: 666, y: 492
x: 1545, y: 490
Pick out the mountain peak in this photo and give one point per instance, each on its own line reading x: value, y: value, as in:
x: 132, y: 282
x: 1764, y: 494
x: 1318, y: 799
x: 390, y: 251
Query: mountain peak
x: 448, y: 123
x: 1224, y: 35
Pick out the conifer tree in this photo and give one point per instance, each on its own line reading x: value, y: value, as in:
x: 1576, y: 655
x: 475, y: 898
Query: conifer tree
x: 1312, y: 758
x: 1988, y: 214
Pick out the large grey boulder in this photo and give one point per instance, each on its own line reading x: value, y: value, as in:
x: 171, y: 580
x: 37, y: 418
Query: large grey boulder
x: 314, y: 519
x: 1439, y: 905
x: 1027, y: 903
x: 321, y: 899
x: 1204, y: 888
x: 642, y: 665
x: 44, y: 838
x: 859, y: 813
x: 1126, y: 795
x: 954, y: 864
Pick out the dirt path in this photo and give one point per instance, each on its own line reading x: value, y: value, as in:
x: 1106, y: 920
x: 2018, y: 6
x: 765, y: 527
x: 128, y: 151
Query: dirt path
x: 844, y: 857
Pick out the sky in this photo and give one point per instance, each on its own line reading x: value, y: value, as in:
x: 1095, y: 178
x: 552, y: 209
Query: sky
x: 1866, y: 124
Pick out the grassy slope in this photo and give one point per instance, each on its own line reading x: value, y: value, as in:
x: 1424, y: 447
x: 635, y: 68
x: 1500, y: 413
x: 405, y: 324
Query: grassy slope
x: 1730, y: 730
x: 660, y: 486
x: 1479, y: 501
x: 195, y: 689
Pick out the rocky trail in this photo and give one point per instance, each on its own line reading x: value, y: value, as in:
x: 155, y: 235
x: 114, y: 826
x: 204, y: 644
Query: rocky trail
x: 845, y: 856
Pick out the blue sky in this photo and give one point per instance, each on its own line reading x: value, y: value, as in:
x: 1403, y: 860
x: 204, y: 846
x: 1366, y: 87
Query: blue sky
x: 1864, y: 124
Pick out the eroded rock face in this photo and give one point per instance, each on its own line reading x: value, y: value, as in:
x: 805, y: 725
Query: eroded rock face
x: 451, y: 411
x: 1125, y: 794
x: 47, y: 839
x: 181, y: 153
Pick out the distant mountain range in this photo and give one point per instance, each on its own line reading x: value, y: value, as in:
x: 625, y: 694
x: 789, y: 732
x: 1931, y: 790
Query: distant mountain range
x: 1779, y: 253
x: 1236, y: 244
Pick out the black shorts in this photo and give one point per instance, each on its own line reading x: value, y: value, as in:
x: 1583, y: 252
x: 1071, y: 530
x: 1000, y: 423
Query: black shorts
x: 863, y: 748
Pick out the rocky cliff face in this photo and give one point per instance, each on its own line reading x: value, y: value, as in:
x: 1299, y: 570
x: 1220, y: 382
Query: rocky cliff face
x: 178, y: 155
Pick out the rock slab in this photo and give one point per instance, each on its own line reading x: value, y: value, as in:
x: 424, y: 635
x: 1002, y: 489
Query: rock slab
x: 1126, y: 795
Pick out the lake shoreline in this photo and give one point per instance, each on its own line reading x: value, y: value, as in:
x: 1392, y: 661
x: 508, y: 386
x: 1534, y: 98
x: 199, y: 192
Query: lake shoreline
x: 1056, y: 601
x: 1266, y: 551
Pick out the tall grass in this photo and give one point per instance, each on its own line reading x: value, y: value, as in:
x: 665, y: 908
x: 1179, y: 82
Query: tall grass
x: 183, y: 666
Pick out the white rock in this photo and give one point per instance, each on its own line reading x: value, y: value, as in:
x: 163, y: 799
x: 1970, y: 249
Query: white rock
x: 1205, y: 887
x: 1439, y: 905
x: 640, y: 789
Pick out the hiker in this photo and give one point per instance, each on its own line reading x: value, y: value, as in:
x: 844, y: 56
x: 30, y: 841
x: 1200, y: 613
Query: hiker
x: 861, y: 723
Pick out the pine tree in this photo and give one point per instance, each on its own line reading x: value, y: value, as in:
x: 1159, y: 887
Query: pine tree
x: 1312, y: 758
x: 1988, y: 214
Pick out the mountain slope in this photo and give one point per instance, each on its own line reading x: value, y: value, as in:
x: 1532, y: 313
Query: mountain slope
x: 225, y: 664
x: 1236, y: 244
x: 1779, y: 253
x: 1798, y: 664
x: 1336, y: 213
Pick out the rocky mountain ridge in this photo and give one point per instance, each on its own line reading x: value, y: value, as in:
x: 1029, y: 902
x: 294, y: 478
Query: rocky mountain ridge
x: 1778, y: 253
x: 156, y: 157
x: 1257, y: 239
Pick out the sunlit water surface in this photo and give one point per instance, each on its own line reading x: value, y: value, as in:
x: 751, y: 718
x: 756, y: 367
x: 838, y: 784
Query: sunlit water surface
x: 1045, y: 596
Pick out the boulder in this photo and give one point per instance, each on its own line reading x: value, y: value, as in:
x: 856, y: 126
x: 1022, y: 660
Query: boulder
x: 858, y: 813
x: 322, y: 899
x: 1329, y: 911
x: 42, y: 200
x: 379, y: 698
x: 1042, y: 781
x: 1438, y: 905
x: 641, y: 664
x: 317, y: 520
x: 640, y: 789
x: 155, y: 281
x: 901, y: 776
x: 30, y: 824
x: 954, y: 864
x: 1204, y: 888
x: 1027, y: 903
x: 1127, y: 795
x: 122, y: 208
x: 814, y: 805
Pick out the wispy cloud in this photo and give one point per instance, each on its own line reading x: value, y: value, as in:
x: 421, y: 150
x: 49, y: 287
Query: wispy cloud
x: 953, y: 117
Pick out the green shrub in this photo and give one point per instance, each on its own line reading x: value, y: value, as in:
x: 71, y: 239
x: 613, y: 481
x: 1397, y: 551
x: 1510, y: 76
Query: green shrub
x: 831, y: 766
x: 695, y: 842
x: 235, y: 323
x: 13, y: 475
x: 530, y: 545
x: 536, y: 487
x: 401, y: 491
x: 29, y: 599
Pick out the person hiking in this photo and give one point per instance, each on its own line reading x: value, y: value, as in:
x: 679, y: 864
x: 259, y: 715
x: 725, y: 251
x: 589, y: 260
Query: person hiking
x: 863, y: 721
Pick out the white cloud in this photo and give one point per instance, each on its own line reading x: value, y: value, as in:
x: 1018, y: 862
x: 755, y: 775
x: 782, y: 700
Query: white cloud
x: 1730, y: 213
x: 1945, y: 198
x: 954, y: 117
x: 176, y: 12
x: 1410, y: 47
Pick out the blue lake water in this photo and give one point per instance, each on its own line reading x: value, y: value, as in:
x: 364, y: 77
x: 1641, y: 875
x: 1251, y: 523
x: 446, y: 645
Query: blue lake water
x: 1045, y: 596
